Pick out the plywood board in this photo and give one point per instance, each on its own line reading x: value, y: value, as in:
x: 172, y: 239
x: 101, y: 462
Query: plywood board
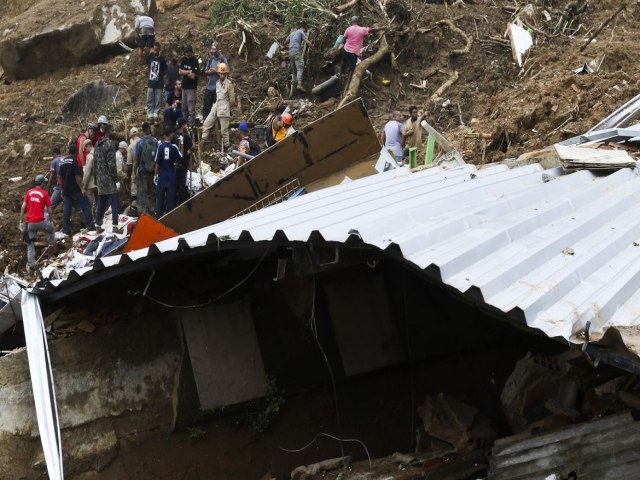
x: 323, y: 147
x: 365, y: 330
x: 225, y: 355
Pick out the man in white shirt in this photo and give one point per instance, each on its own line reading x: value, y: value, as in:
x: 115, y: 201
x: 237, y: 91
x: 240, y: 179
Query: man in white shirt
x: 145, y: 28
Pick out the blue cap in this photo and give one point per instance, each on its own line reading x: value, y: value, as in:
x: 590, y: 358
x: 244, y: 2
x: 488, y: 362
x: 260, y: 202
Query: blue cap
x: 243, y: 127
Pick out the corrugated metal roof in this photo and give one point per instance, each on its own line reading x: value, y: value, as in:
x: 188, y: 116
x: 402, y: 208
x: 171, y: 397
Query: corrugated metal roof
x: 555, y: 250
x: 602, y: 449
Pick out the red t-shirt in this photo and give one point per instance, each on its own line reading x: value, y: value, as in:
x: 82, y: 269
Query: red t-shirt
x: 36, y: 199
x: 80, y: 156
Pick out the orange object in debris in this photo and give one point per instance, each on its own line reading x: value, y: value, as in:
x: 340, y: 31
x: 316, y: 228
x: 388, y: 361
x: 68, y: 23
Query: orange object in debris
x: 148, y: 231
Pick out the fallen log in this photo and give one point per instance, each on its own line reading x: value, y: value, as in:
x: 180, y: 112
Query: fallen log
x: 346, y: 6
x: 453, y: 78
x: 468, y: 40
x: 354, y: 85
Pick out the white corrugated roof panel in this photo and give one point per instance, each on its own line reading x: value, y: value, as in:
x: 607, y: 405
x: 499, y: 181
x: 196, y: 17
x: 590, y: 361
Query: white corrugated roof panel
x: 560, y: 249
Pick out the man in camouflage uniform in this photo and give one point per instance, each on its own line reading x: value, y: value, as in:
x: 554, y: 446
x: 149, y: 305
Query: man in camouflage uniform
x: 106, y: 175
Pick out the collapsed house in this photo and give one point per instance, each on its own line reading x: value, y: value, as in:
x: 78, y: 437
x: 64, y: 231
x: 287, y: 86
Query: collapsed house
x: 503, y: 300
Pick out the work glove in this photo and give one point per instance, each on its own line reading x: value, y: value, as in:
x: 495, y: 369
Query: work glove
x: 22, y: 226
x: 117, y: 186
x: 155, y: 180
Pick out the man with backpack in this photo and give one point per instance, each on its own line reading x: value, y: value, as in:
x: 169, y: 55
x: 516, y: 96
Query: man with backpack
x: 167, y: 159
x: 146, y: 154
x: 106, y: 177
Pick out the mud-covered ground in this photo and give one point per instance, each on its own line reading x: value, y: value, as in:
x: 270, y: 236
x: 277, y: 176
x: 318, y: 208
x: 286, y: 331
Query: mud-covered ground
x: 518, y: 109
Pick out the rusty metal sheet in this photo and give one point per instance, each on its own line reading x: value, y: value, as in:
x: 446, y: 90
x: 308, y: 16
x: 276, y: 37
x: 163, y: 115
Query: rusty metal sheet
x: 330, y: 144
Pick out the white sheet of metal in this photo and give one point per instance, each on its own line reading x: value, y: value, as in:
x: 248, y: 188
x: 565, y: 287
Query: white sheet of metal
x: 556, y: 253
x: 44, y: 394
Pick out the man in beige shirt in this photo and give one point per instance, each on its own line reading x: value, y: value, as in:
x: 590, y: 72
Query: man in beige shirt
x: 221, y: 110
x: 413, y: 131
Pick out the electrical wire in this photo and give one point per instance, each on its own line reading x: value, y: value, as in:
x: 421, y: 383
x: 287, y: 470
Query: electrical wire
x: 210, y: 301
x: 314, y: 330
x: 296, y: 450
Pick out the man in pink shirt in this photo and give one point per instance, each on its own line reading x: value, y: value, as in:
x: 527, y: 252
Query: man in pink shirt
x: 353, y: 38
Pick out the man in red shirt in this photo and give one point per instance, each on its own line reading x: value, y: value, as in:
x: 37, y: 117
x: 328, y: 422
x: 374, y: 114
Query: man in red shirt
x: 81, y: 156
x: 35, y: 202
x: 353, y: 39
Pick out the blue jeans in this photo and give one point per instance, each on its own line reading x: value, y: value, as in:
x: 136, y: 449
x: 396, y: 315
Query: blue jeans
x: 56, y: 197
x: 165, y: 195
x: 80, y: 203
x: 171, y: 115
x: 102, y: 207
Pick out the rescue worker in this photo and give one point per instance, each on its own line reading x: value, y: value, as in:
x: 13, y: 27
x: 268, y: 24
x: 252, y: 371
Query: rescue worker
x: 295, y: 41
x: 106, y: 174
x: 132, y: 167
x: 81, y: 156
x: 211, y: 71
x: 35, y: 202
x: 145, y: 29
x: 221, y: 110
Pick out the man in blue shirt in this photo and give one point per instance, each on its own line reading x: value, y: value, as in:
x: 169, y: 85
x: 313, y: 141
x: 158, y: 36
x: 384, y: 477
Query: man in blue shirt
x: 167, y: 157
x: 295, y: 40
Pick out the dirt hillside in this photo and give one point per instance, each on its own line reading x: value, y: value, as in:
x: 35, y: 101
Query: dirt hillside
x: 518, y: 109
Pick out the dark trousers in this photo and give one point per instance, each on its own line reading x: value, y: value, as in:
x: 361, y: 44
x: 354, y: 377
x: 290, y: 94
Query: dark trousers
x: 349, y: 61
x: 165, y: 195
x: 181, y: 189
x: 207, y: 103
x: 146, y: 193
x: 81, y: 204
x: 171, y: 115
x: 113, y: 199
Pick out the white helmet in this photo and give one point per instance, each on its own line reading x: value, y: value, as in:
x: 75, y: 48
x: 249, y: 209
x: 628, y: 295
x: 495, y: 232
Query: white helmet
x: 103, y: 119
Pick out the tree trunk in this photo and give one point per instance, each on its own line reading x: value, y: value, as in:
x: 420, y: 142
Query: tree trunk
x: 354, y: 85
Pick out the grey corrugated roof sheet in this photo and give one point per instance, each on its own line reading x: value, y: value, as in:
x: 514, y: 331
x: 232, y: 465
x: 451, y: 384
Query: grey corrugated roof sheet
x: 555, y: 253
x: 602, y: 449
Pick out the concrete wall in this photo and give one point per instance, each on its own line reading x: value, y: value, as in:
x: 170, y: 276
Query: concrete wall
x: 116, y: 382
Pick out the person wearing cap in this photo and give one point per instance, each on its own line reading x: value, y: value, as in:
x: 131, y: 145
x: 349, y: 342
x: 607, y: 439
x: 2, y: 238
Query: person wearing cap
x: 172, y: 105
x: 145, y: 29
x: 189, y: 69
x: 106, y: 172
x: 99, y: 131
x: 132, y: 177
x: 353, y: 39
x: 246, y: 145
x: 295, y: 40
x: 221, y: 110
x: 32, y: 218
x: 211, y: 71
x: 156, y: 69
x: 243, y: 131
x: 88, y: 176
x: 73, y: 192
x: 287, y: 124
x: 185, y: 145
x: 87, y: 134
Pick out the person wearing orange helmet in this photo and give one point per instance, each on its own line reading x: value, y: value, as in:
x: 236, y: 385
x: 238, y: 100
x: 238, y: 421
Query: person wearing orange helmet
x: 221, y: 110
x: 287, y: 123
